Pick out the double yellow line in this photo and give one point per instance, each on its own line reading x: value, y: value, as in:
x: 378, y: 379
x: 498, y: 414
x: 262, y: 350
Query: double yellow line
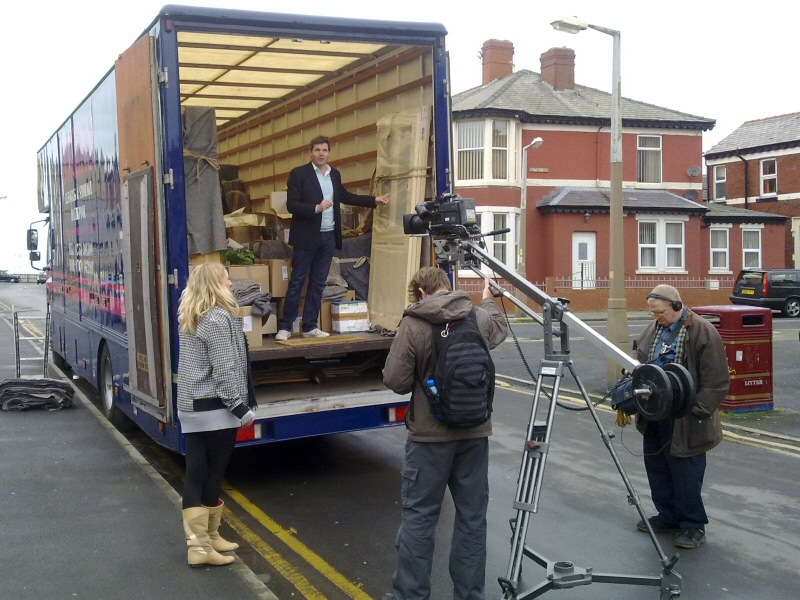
x: 274, y: 558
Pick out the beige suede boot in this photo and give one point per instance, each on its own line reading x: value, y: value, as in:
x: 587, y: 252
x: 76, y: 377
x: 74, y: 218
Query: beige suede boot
x: 195, y: 525
x: 219, y: 543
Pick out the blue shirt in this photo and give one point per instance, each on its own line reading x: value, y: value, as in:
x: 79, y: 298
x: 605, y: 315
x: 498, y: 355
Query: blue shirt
x: 326, y: 184
x: 664, y: 353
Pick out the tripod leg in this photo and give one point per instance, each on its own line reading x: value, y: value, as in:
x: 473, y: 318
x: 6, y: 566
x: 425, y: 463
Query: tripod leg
x: 531, y: 472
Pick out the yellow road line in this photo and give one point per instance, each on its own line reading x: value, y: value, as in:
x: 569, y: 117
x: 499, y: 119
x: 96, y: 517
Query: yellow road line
x: 311, y: 557
x: 287, y: 570
x: 728, y: 435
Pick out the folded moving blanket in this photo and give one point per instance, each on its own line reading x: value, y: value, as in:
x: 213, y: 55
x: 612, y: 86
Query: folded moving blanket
x: 48, y: 394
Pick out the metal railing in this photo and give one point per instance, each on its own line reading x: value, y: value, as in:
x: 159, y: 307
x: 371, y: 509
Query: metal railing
x: 575, y: 282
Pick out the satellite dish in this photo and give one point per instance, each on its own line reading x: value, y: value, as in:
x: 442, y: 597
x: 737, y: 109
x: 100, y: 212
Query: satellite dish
x: 691, y: 195
x: 693, y: 171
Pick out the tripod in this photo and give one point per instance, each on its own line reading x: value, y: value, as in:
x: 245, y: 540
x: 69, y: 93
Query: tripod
x: 564, y: 574
x: 652, y: 384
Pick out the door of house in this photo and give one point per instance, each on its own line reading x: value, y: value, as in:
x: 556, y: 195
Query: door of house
x: 584, y: 260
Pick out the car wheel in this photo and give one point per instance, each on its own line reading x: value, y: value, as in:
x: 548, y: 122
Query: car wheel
x: 791, y: 308
x: 105, y: 385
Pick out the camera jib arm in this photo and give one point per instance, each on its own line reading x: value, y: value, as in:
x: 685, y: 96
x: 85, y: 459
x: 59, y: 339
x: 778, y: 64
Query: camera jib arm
x: 652, y: 387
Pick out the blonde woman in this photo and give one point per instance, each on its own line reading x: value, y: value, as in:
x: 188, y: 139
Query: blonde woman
x: 212, y: 404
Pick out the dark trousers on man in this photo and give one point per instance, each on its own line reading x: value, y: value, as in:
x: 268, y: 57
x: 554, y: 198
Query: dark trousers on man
x: 428, y: 469
x: 314, y: 264
x: 676, y: 482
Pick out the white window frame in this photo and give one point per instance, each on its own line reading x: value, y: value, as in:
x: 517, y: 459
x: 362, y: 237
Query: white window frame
x: 770, y: 177
x: 720, y: 179
x: 661, y: 246
x: 757, y: 252
x: 489, y: 151
x: 486, y: 217
x: 725, y: 251
x: 645, y: 152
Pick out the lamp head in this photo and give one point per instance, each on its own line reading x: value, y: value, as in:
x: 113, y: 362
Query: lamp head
x: 569, y: 25
x: 537, y: 142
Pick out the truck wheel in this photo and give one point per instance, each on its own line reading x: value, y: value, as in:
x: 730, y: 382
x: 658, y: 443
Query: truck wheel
x: 106, y: 389
x: 791, y: 308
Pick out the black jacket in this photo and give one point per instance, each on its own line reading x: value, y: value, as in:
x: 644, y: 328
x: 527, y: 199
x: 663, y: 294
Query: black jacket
x: 303, y: 196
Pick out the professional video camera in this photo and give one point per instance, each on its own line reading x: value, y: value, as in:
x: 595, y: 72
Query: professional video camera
x: 448, y: 216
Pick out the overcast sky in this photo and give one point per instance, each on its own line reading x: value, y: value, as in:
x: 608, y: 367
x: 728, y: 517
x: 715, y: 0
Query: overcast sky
x: 702, y: 58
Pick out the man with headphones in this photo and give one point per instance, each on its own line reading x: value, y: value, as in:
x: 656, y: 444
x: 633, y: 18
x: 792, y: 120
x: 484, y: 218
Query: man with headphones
x: 675, y: 449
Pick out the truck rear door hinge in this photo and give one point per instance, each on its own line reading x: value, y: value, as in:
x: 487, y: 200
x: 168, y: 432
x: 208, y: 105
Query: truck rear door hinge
x: 169, y: 179
x: 173, y: 278
x: 163, y: 76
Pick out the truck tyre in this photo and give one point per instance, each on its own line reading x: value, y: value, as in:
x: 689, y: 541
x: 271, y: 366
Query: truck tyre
x: 791, y: 308
x: 105, y: 386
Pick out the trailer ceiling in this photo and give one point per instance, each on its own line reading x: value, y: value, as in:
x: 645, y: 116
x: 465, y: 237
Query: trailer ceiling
x: 239, y: 74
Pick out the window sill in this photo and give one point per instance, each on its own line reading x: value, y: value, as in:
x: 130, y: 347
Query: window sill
x: 661, y: 272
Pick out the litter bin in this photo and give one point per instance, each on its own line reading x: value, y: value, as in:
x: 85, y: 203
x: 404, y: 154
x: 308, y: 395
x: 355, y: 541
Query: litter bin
x: 746, y: 332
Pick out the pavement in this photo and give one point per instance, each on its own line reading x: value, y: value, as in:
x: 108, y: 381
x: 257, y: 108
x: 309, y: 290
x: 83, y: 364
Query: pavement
x: 85, y: 516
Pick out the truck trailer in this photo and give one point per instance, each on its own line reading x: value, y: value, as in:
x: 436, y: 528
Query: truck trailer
x: 116, y: 183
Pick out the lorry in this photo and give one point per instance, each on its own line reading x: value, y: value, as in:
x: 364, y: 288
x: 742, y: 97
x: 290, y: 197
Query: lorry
x: 113, y: 180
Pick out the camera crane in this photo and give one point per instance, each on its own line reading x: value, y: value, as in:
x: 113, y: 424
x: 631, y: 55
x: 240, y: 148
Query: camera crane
x: 658, y: 393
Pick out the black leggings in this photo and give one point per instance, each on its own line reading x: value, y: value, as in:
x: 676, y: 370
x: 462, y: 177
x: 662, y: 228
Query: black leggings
x: 207, y: 456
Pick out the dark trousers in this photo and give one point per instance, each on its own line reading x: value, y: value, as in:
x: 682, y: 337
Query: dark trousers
x: 207, y: 456
x: 314, y: 264
x: 429, y: 468
x: 676, y: 482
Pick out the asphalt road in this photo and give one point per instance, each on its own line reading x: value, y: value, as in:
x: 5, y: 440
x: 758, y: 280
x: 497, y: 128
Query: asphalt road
x: 319, y: 516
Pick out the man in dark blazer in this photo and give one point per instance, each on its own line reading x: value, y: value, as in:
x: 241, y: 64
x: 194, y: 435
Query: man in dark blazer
x: 315, y: 192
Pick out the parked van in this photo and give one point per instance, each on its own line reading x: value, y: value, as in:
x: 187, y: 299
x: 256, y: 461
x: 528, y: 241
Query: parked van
x: 776, y: 289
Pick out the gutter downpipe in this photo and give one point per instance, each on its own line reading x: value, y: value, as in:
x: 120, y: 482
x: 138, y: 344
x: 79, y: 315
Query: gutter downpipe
x: 744, y: 160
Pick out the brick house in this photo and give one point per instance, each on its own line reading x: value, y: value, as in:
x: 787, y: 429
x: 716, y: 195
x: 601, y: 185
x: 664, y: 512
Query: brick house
x: 567, y: 186
x: 758, y: 167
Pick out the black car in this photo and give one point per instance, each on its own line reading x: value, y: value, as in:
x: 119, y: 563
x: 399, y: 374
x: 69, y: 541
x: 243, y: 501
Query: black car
x: 776, y: 289
x: 42, y: 277
x: 6, y: 276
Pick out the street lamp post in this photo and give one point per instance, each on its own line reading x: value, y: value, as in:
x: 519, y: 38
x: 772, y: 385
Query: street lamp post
x: 523, y: 211
x: 617, y: 303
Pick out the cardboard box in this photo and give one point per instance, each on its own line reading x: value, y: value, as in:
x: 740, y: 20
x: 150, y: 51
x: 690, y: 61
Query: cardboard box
x: 270, y: 325
x: 280, y: 270
x: 325, y: 313
x: 257, y: 273
x: 251, y: 325
x: 239, y: 218
x: 244, y: 235
x: 347, y: 317
x: 199, y: 259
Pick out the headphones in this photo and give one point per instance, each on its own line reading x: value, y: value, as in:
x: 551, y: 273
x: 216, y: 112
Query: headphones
x: 675, y: 305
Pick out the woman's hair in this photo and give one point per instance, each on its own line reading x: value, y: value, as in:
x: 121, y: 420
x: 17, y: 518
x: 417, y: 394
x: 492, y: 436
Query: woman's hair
x: 205, y: 289
x: 430, y: 279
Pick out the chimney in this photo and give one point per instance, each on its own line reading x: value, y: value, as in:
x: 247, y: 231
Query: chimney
x: 558, y: 68
x: 498, y: 59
